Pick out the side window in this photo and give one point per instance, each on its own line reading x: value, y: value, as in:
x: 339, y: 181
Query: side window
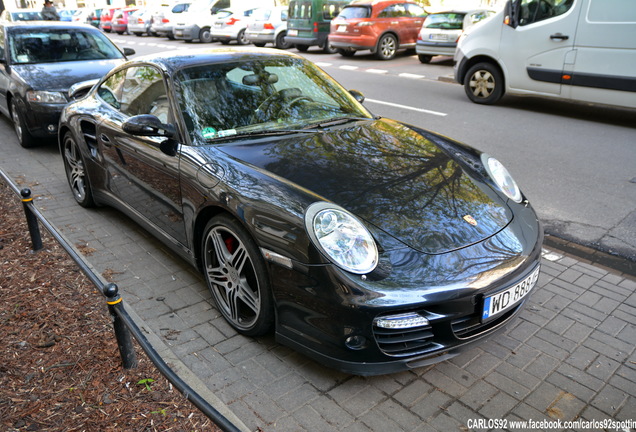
x: 532, y: 11
x: 2, y: 54
x: 415, y: 10
x: 110, y: 91
x: 144, y: 92
x: 394, y: 11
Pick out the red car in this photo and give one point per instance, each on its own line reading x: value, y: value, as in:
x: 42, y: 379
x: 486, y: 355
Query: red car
x: 119, y: 20
x: 105, y: 19
x: 383, y: 27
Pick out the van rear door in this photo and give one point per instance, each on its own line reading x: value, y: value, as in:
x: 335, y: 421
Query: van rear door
x: 605, y: 67
x: 535, y: 52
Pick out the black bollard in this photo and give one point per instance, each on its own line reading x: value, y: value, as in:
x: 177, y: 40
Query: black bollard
x: 124, y: 340
x: 32, y: 220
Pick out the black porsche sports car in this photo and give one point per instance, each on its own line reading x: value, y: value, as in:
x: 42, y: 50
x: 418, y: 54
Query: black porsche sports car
x: 368, y: 244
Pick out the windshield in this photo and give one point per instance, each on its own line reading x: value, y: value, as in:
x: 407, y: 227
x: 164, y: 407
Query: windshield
x: 260, y: 96
x: 59, y: 45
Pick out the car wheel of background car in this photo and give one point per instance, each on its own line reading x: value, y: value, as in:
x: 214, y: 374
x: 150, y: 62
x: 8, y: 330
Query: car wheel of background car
x: 302, y: 48
x: 241, y: 39
x: 281, y: 43
x: 387, y: 47
x: 76, y: 172
x: 484, y: 84
x: 237, y: 277
x: 25, y: 138
x: 424, y: 58
x: 327, y: 48
x: 346, y: 52
x: 205, y: 36
x: 170, y: 35
x: 259, y: 44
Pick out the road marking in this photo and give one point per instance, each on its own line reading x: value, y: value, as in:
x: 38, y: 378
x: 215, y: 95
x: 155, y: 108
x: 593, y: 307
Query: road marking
x: 323, y: 64
x: 377, y: 71
x: 347, y: 67
x: 437, y: 113
x: 410, y: 75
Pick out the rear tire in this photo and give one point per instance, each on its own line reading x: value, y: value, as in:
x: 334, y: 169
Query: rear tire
x: 424, y: 58
x: 484, y: 84
x: 387, y: 47
x: 281, y: 43
x: 241, y: 39
x: 328, y: 49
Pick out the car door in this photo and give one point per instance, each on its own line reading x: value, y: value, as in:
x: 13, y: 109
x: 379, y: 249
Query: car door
x: 143, y: 176
x: 536, y: 51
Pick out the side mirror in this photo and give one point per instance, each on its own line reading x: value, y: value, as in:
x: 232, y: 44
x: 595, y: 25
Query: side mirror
x: 129, y: 52
x: 148, y: 125
x: 357, y: 95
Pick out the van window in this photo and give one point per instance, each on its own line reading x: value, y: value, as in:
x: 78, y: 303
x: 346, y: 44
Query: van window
x: 330, y: 10
x: 300, y: 9
x: 532, y: 11
x: 610, y: 11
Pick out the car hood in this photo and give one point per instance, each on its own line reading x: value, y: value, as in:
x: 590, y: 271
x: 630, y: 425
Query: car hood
x: 60, y: 76
x: 392, y: 177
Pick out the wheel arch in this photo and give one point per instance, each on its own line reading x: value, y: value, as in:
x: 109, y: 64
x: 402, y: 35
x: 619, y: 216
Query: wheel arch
x: 202, y: 219
x: 387, y: 32
x: 465, y: 66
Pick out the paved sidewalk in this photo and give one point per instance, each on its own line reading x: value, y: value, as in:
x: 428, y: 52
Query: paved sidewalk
x: 571, y: 356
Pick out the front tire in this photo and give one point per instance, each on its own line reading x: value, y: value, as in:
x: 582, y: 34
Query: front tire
x: 281, y: 43
x: 76, y: 172
x: 25, y: 138
x: 302, y: 48
x: 241, y: 39
x: 205, y: 36
x: 484, y: 84
x: 424, y: 58
x: 236, y: 275
x: 387, y: 47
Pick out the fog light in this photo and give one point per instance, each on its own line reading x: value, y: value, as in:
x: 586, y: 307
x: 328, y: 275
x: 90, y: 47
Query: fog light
x: 401, y: 321
x: 356, y: 342
x: 52, y: 128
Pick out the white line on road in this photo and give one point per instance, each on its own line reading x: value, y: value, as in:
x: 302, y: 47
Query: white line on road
x: 377, y: 71
x: 410, y: 75
x: 347, y: 67
x: 437, y: 113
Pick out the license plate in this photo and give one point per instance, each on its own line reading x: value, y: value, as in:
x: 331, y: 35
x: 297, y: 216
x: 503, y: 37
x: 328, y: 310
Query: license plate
x: 341, y: 28
x: 500, y: 302
x: 439, y: 37
x: 292, y: 32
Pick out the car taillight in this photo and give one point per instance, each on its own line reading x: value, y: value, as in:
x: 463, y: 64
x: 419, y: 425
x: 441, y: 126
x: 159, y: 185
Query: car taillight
x: 165, y: 20
x: 315, y: 27
x: 140, y: 21
x: 232, y: 21
x: 268, y: 26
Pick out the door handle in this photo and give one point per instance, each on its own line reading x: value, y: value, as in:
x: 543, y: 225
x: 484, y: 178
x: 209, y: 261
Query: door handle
x: 559, y: 36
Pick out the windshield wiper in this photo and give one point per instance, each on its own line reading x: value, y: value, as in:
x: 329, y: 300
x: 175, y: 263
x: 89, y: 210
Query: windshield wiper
x: 338, y: 121
x: 230, y: 136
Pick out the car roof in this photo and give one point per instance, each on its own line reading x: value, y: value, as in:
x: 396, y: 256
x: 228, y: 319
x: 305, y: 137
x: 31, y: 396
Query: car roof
x: 171, y: 61
x: 48, y: 24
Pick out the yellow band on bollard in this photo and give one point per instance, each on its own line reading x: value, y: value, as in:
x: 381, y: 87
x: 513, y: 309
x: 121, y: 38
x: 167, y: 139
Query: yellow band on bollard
x: 115, y: 301
x: 27, y: 199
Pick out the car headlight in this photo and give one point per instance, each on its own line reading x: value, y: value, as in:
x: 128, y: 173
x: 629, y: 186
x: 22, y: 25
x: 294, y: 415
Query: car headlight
x: 35, y: 96
x: 502, y: 178
x: 341, y: 237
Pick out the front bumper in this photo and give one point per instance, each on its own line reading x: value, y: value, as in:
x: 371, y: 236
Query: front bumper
x: 42, y: 119
x: 330, y: 315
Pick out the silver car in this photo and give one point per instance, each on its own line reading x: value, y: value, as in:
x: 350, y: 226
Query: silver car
x: 164, y: 19
x: 230, y: 25
x: 441, y: 30
x: 269, y: 25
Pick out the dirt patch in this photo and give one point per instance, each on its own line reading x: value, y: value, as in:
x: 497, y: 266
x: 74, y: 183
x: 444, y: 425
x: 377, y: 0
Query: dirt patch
x: 60, y: 368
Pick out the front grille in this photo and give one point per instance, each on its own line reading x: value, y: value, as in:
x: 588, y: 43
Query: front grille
x: 404, y: 342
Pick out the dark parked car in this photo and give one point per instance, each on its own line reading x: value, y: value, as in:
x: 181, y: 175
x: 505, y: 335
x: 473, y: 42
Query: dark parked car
x: 367, y: 244
x: 39, y: 62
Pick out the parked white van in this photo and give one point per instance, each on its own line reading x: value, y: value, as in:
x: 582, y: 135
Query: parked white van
x: 582, y: 50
